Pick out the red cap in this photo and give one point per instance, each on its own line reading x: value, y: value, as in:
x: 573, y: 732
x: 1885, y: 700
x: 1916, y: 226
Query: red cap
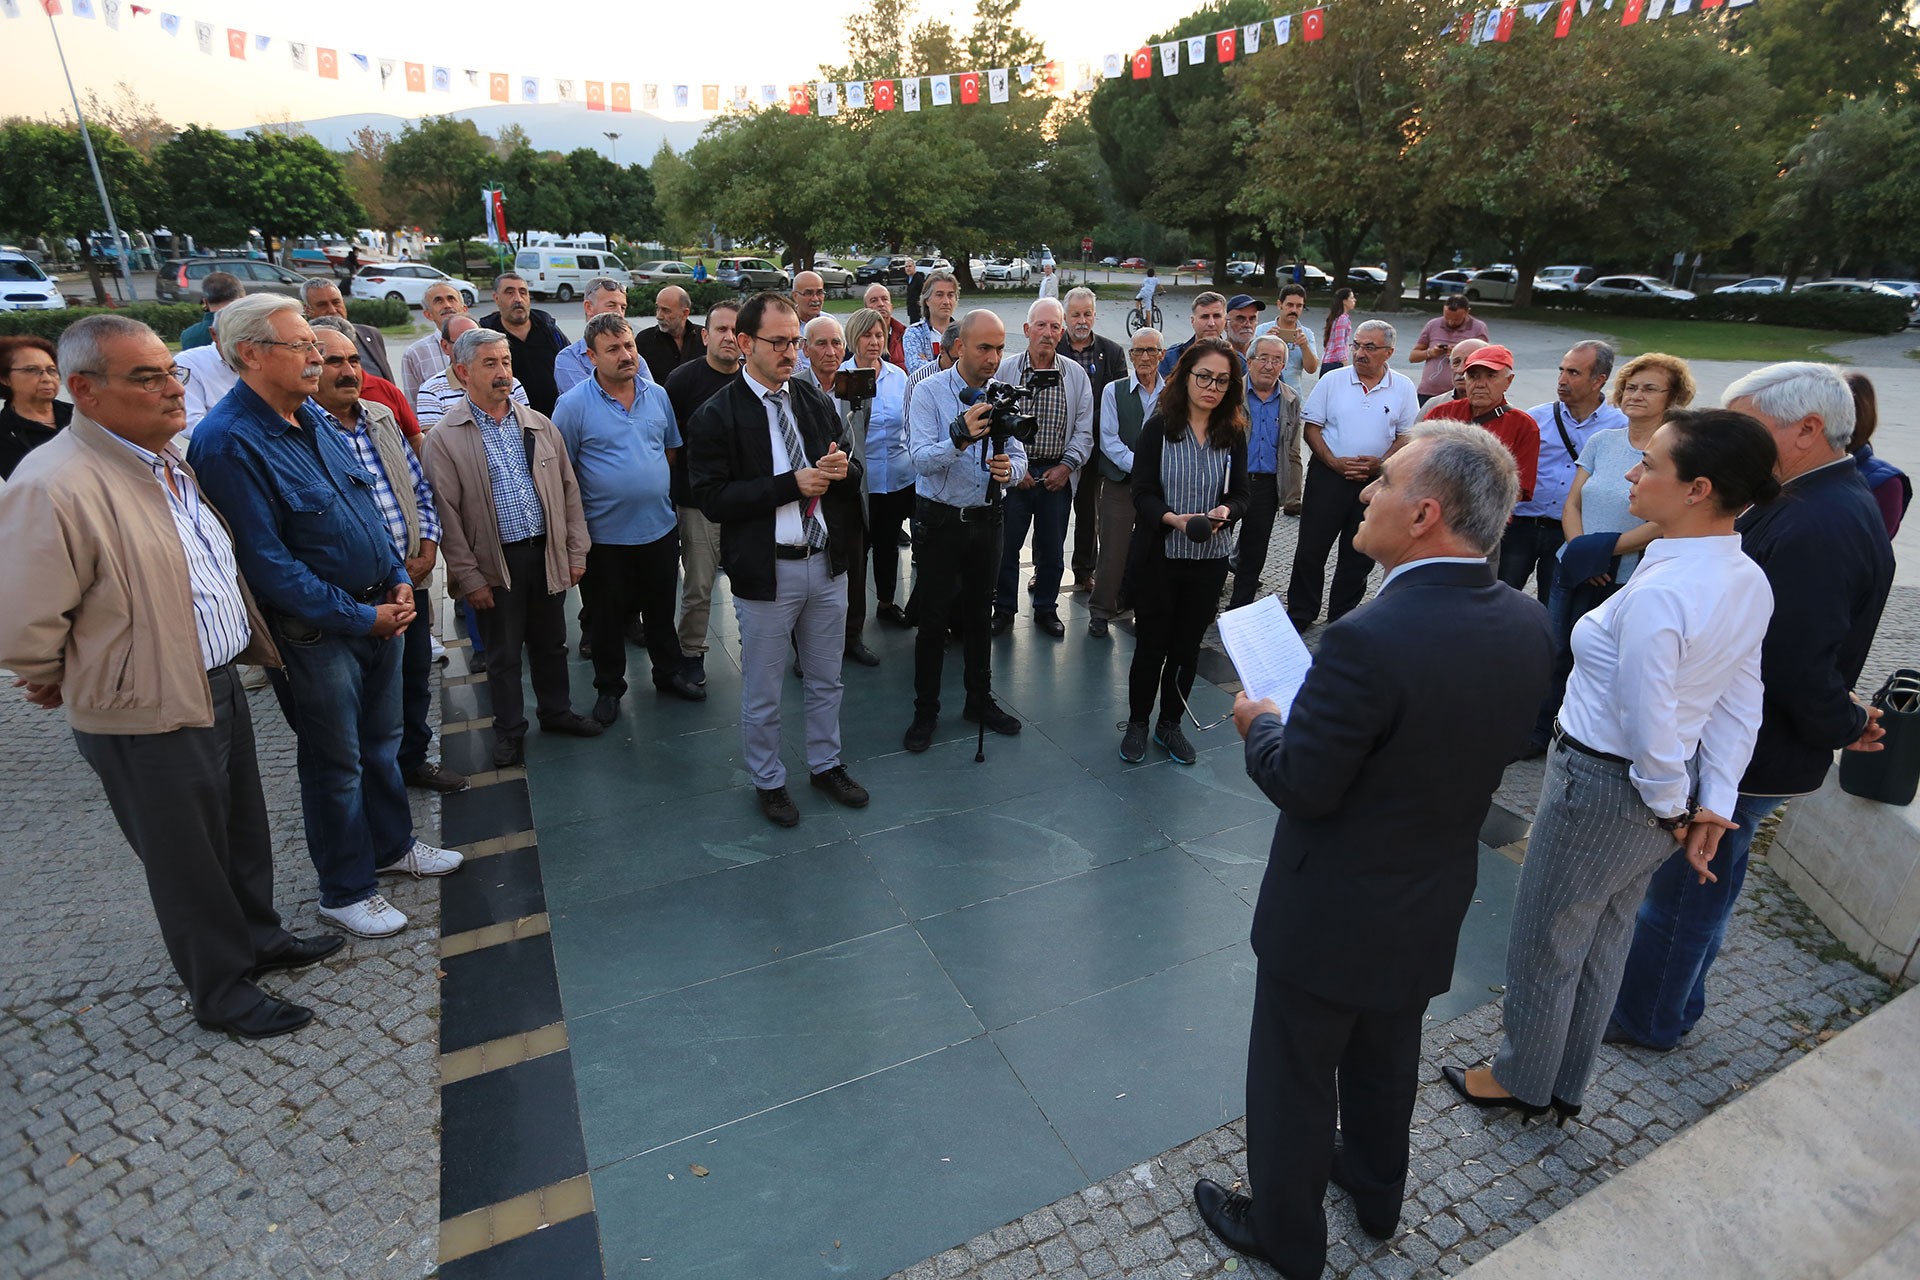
x: 1490, y: 358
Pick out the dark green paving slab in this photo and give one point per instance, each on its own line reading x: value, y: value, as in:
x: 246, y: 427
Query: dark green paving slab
x: 497, y: 991
x: 1045, y: 947
x: 626, y: 773
x: 481, y: 813
x: 1480, y: 964
x: 670, y: 840
x: 1189, y: 801
x: 1092, y: 738
x: 1047, y: 678
x: 633, y: 945
x: 1132, y: 1072
x: 908, y: 787
x: 1237, y: 857
x: 1007, y: 845
x: 468, y: 752
x: 508, y: 1131
x: 857, y: 1182
x: 505, y: 886
x: 567, y: 1250
x: 465, y: 702
x: 659, y: 1070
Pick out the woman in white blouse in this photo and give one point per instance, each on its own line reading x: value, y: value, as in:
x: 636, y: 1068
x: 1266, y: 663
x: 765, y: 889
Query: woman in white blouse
x: 1658, y: 724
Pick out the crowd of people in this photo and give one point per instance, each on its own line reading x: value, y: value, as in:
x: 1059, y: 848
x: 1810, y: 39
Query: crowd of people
x: 1670, y: 604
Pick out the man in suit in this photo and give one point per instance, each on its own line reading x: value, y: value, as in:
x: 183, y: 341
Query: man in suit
x: 322, y: 298
x: 1373, y: 862
x: 765, y: 462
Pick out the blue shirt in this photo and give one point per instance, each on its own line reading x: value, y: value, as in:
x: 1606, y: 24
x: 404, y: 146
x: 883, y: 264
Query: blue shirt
x: 573, y: 366
x: 360, y: 440
x: 516, y: 503
x: 1265, y: 420
x: 889, y: 464
x: 1554, y: 477
x: 957, y: 477
x: 307, y: 531
x: 918, y: 344
x: 620, y: 460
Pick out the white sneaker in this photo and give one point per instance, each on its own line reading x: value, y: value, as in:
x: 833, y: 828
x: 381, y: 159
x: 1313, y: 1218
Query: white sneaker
x: 423, y: 860
x: 371, y: 917
x: 439, y: 650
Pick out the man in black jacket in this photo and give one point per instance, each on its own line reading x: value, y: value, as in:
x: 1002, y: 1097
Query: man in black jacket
x: 1104, y: 362
x: 1826, y: 556
x: 1383, y: 772
x: 766, y: 464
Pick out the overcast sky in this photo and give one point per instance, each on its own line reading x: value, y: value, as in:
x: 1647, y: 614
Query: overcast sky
x: 751, y: 41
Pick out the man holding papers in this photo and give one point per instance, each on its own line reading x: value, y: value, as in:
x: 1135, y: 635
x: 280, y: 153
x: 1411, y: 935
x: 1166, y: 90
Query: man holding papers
x: 1382, y: 771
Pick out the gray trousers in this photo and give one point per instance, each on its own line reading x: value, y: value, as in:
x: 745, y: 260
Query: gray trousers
x: 1116, y: 536
x: 810, y: 611
x: 700, y: 561
x: 1593, y: 850
x: 189, y: 803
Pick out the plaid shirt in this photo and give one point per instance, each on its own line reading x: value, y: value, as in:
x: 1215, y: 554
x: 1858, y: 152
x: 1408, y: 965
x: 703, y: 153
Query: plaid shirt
x: 360, y: 440
x: 515, y: 503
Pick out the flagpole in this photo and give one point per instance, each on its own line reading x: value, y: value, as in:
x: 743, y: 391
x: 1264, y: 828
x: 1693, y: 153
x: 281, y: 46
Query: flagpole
x: 123, y: 252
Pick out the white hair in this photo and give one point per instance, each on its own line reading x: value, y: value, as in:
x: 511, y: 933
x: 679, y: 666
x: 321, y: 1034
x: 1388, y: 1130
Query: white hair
x: 314, y: 286
x: 1799, y: 389
x: 821, y: 321
x: 80, y: 341
x: 468, y: 344
x: 250, y: 320
x: 1041, y: 304
x: 1376, y: 326
x: 1254, y: 348
x: 1080, y: 293
x: 1471, y: 475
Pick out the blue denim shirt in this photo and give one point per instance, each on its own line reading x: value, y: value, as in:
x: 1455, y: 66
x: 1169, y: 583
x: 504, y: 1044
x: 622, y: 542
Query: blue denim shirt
x: 306, y: 529
x: 957, y: 477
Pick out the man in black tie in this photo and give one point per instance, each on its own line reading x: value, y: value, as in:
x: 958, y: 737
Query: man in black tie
x: 1383, y: 771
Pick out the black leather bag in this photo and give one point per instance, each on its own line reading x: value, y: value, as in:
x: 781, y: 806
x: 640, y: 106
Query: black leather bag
x: 1891, y: 775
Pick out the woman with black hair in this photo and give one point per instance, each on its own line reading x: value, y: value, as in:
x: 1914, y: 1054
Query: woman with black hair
x: 1658, y: 724
x: 1189, y: 488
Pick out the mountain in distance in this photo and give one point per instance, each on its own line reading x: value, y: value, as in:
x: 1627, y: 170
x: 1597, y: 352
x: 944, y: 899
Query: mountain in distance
x: 554, y: 126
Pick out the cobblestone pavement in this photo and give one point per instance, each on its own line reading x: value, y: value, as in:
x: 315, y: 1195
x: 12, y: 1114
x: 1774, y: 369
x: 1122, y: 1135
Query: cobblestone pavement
x: 137, y: 1144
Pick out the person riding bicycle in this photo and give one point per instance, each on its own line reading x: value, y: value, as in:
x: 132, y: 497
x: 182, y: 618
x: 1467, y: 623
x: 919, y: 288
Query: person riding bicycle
x: 1143, y: 300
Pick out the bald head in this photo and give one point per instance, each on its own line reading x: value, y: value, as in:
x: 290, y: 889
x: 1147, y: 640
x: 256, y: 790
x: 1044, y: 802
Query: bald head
x: 880, y: 298
x: 671, y: 307
x: 452, y: 327
x: 983, y: 340
x: 809, y: 295
x: 1457, y: 361
x: 826, y: 347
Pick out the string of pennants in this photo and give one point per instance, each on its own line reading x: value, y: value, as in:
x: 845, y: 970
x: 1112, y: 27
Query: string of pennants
x: 826, y: 97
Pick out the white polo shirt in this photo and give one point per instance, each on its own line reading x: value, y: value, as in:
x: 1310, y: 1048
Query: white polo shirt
x: 1356, y: 422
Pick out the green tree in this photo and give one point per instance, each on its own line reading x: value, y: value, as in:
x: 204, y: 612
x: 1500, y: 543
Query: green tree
x: 204, y: 175
x: 767, y: 177
x: 674, y: 197
x: 1821, y: 53
x: 296, y: 187
x: 540, y: 191
x: 50, y: 188
x: 1851, y: 191
x: 612, y: 199
x: 435, y: 171
x: 365, y: 165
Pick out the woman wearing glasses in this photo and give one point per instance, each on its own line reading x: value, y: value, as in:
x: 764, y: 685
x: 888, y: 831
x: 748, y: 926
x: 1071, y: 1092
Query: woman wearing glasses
x: 1189, y: 487
x: 29, y: 383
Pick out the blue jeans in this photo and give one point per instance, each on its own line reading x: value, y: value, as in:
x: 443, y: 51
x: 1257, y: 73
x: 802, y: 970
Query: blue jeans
x: 1678, y: 934
x: 1047, y: 511
x: 345, y: 693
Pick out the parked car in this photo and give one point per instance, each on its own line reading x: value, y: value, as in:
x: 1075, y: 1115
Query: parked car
x: 406, y: 282
x: 1242, y: 270
x: 1759, y: 284
x: 1109, y: 261
x: 1564, y: 277
x: 1637, y: 287
x: 1366, y: 279
x: 1133, y: 264
x: 1314, y: 279
x: 663, y: 271
x: 749, y: 273
x: 564, y: 273
x: 1193, y: 267
x: 1495, y: 284
x: 1442, y: 283
x: 1007, y: 270
x: 837, y: 279
x: 1909, y: 287
x: 25, y: 287
x: 1865, y: 286
x: 888, y: 268
x: 933, y: 264
x: 179, y: 280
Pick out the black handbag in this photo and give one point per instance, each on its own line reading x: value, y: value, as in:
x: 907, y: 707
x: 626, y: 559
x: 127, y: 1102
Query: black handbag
x: 1890, y: 775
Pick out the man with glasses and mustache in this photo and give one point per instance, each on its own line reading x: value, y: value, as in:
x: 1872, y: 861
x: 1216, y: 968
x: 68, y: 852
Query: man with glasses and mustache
x: 1124, y: 407
x: 1355, y: 418
x: 126, y: 609
x: 1273, y: 459
x: 312, y: 542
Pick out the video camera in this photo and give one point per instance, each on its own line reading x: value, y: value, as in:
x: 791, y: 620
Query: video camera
x: 1010, y: 418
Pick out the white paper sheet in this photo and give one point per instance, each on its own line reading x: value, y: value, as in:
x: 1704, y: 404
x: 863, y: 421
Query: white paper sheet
x: 1267, y: 653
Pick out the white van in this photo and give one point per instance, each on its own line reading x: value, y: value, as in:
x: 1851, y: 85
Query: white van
x: 563, y: 274
x: 548, y: 240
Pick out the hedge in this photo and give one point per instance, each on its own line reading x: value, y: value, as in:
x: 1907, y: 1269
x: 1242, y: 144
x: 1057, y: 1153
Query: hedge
x: 1845, y: 312
x: 171, y: 319
x: 704, y: 294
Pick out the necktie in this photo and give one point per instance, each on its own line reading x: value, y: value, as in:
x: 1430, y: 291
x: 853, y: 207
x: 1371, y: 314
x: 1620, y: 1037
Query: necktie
x: 797, y: 459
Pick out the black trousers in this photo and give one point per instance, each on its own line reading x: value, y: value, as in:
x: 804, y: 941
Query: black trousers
x: 527, y: 615
x: 1173, y: 605
x: 1330, y: 512
x: 416, y: 684
x: 623, y: 579
x: 1086, y: 520
x: 950, y: 550
x: 857, y: 583
x: 1530, y: 548
x: 189, y: 803
x: 1309, y: 1059
x: 1256, y: 531
x: 886, y: 512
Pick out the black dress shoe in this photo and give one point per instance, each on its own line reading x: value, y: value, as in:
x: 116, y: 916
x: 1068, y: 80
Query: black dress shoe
x: 1457, y: 1078
x: 1373, y: 1224
x: 990, y: 714
x: 1229, y: 1215
x: 509, y: 752
x: 681, y: 686
x: 920, y: 733
x: 858, y: 652
x: 271, y: 1017
x: 696, y: 668
x: 893, y: 615
x: 477, y: 664
x: 302, y: 952
x: 1001, y: 621
x: 1097, y: 628
x: 836, y: 783
x: 606, y: 709
x: 1051, y: 624
x: 586, y: 647
x: 574, y: 725
x: 777, y: 803
x: 1616, y: 1034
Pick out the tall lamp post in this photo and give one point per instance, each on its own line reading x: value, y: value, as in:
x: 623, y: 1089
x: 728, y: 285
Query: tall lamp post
x: 614, y: 138
x: 121, y: 251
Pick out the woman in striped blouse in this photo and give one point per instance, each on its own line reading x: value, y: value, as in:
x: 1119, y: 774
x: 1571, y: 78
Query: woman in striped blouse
x: 1189, y: 487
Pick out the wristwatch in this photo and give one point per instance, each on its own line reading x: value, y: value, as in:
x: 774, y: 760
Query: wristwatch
x: 1678, y: 820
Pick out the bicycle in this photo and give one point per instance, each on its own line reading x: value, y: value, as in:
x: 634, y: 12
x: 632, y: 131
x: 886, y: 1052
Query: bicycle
x: 1136, y: 321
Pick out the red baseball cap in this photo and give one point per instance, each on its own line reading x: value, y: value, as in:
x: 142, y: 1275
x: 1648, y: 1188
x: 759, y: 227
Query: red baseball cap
x: 1489, y: 357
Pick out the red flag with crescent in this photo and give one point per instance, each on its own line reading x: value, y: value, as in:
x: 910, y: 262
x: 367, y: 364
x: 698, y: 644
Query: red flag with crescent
x: 1313, y: 24
x: 883, y: 95
x: 329, y: 63
x: 970, y: 87
x: 797, y: 100
x: 1228, y: 45
x: 1564, y: 23
x: 1143, y: 64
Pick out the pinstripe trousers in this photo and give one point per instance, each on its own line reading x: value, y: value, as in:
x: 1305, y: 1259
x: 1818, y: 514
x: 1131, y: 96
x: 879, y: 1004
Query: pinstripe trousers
x: 1595, y: 846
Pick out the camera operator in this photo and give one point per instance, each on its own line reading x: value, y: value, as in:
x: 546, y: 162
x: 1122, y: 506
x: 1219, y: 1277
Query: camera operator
x: 959, y: 514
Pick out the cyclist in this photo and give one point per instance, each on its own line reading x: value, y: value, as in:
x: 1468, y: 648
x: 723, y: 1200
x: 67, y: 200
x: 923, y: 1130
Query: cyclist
x: 1143, y: 300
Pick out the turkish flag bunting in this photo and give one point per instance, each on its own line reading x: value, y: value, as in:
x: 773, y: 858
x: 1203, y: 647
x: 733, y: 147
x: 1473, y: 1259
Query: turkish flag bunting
x: 497, y: 86
x: 797, y: 100
x: 236, y: 44
x: 596, y: 95
x: 416, y: 77
x: 1143, y: 64
x: 329, y: 63
x: 623, y: 97
x: 1314, y: 24
x: 52, y: 7
x: 970, y: 87
x: 883, y: 95
x: 1632, y: 14
x: 1228, y: 45
x: 1711, y: 4
x: 1504, y: 32
x: 1564, y: 23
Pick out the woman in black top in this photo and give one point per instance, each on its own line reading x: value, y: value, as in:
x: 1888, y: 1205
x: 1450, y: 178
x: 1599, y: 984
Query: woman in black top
x: 1189, y: 487
x: 29, y: 381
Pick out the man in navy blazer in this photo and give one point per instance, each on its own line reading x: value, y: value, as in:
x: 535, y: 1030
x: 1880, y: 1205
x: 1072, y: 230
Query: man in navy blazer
x: 1383, y: 771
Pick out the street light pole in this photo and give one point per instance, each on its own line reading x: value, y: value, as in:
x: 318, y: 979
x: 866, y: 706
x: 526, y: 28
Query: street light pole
x: 614, y: 138
x: 121, y: 251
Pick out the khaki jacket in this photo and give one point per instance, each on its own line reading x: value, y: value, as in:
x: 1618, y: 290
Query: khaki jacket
x: 96, y: 597
x: 455, y: 456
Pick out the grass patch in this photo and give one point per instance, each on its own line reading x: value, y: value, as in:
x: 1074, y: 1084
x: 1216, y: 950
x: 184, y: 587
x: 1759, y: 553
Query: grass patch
x: 1718, y: 339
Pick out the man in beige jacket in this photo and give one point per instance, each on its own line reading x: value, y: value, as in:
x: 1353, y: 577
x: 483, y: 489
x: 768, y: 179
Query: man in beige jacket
x: 125, y: 607
x: 514, y: 536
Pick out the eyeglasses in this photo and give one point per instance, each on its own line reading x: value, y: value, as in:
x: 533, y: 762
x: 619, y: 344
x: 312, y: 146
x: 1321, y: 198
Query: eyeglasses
x: 780, y: 345
x: 307, y: 347
x: 151, y: 383
x: 1146, y: 351
x: 37, y: 370
x: 1370, y: 347
x: 1216, y: 381
x: 1269, y: 359
x: 1643, y: 388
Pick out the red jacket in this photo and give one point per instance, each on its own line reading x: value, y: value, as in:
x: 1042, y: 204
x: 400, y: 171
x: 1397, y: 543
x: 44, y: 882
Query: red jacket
x: 1515, y: 428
